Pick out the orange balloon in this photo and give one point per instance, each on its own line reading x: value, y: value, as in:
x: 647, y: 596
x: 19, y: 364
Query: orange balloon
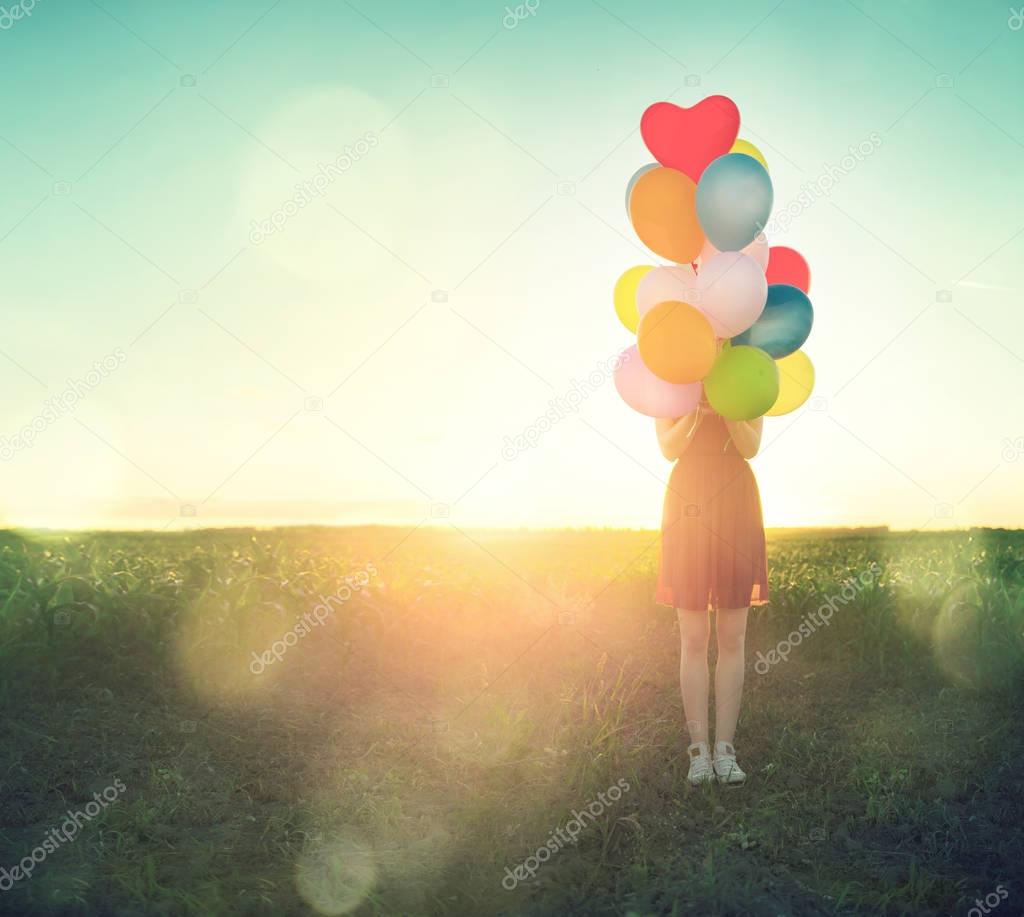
x: 676, y: 342
x: 664, y: 213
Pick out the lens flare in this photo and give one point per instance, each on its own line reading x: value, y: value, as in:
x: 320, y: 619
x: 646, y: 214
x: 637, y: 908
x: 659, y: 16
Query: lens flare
x: 335, y: 875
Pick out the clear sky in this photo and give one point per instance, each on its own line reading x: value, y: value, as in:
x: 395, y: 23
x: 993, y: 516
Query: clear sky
x: 367, y: 359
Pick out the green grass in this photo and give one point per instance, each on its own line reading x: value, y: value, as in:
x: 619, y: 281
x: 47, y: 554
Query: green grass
x: 445, y: 721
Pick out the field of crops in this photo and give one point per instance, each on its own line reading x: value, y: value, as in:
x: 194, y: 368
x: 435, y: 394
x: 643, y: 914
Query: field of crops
x: 384, y: 721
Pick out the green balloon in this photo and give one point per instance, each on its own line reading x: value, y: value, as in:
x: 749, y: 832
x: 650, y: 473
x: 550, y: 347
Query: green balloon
x: 743, y: 383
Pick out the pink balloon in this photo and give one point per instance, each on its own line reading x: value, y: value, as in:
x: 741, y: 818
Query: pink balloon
x: 645, y: 392
x: 733, y: 291
x: 669, y: 283
x: 758, y: 250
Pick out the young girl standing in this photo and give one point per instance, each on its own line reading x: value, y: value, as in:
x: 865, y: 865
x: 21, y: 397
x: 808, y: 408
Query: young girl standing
x: 712, y: 558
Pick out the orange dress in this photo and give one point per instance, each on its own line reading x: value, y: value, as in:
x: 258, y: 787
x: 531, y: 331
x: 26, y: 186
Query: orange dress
x: 712, y: 531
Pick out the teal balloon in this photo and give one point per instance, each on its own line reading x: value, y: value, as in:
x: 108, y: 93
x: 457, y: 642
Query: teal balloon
x: 635, y: 178
x: 784, y: 324
x: 734, y: 201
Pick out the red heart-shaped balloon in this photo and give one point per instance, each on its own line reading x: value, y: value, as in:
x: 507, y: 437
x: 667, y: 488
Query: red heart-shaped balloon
x: 688, y: 139
x: 787, y: 265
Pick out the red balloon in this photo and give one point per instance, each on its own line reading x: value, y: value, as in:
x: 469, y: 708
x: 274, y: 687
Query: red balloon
x: 688, y: 139
x: 787, y: 265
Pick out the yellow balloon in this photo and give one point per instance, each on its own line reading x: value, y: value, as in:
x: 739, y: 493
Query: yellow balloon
x: 625, y: 295
x: 796, y: 380
x: 745, y: 146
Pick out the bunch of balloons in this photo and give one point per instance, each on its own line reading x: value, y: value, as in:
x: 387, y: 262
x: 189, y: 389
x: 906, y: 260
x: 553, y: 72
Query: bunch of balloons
x: 728, y: 314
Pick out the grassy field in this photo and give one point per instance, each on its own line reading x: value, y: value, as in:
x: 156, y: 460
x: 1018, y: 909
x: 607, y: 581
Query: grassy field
x: 379, y: 721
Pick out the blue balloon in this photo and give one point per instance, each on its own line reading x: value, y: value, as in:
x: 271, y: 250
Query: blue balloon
x: 784, y: 324
x: 734, y: 201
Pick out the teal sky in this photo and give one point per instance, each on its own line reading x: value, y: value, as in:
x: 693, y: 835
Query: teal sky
x: 366, y: 361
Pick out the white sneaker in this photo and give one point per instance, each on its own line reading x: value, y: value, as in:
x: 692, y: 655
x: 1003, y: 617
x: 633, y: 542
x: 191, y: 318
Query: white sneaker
x: 701, y: 770
x: 726, y: 768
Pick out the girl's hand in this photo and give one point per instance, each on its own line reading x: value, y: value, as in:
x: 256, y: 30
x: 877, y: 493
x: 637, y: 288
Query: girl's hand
x: 746, y: 435
x: 674, y: 436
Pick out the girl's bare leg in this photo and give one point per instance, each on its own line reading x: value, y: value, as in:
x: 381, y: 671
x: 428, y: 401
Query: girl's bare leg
x: 730, y: 632
x: 694, y: 631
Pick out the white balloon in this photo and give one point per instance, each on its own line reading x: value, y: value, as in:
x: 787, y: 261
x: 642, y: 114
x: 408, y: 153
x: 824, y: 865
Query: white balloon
x: 733, y: 291
x: 758, y: 250
x: 676, y: 283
